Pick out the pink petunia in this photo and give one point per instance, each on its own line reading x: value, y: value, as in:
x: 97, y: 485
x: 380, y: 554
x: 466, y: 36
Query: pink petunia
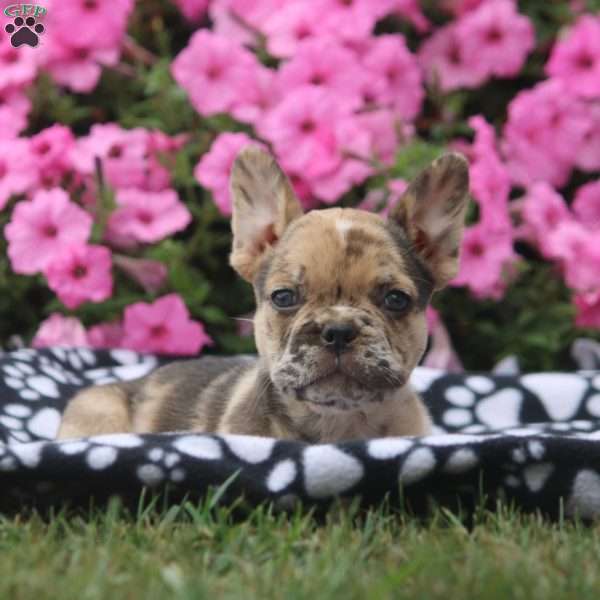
x: 543, y: 211
x: 498, y: 35
x: 389, y: 58
x: 77, y: 67
x: 123, y: 154
x: 303, y: 128
x: 349, y: 20
x: 588, y: 156
x: 445, y: 61
x: 18, y: 66
x: 14, y: 109
x: 489, y: 179
x: 214, y: 71
x: 291, y: 25
x: 486, y: 254
x: 80, y: 273
x: 17, y: 170
x: 58, y: 330
x: 40, y: 229
x: 243, y: 21
x: 215, y: 166
x: 586, y: 205
x: 146, y: 217
x: 163, y: 326
x: 89, y: 23
x: 323, y: 62
x: 544, y: 133
x: 577, y: 250
x: 575, y: 59
x: 106, y: 335
x: 260, y: 95
x: 51, y: 150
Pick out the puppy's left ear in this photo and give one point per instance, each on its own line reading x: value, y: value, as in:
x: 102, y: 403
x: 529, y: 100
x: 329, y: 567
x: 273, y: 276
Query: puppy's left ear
x: 432, y: 212
x: 264, y: 204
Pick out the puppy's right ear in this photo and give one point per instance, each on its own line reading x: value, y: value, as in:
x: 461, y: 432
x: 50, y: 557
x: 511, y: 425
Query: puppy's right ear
x: 264, y: 204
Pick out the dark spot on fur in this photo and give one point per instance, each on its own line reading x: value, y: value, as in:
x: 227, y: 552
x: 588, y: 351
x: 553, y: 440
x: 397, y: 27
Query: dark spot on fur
x: 415, y: 267
x: 384, y: 364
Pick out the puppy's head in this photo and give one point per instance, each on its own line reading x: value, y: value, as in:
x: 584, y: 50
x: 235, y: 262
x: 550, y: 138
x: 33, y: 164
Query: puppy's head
x: 341, y: 293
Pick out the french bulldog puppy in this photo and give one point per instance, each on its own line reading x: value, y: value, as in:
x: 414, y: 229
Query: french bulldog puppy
x: 339, y: 325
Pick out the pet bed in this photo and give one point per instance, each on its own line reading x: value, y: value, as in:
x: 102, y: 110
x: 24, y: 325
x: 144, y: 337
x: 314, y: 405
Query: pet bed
x: 534, y: 439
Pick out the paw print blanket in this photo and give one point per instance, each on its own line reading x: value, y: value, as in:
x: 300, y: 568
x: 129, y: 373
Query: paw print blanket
x: 533, y: 439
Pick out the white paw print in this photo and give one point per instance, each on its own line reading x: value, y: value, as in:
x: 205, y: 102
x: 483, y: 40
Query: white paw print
x: 163, y: 466
x: 23, y: 424
x: 527, y: 467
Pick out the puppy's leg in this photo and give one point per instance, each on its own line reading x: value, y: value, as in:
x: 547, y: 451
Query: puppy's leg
x: 96, y: 410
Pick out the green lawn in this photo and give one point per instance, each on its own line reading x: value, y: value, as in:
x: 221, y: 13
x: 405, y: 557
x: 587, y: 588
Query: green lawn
x: 192, y: 551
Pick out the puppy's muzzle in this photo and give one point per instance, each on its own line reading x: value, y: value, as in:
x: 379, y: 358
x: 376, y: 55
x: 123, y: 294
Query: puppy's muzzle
x: 338, y: 336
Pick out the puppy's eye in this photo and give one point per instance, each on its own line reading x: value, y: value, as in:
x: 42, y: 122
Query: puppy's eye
x: 396, y: 301
x: 284, y: 298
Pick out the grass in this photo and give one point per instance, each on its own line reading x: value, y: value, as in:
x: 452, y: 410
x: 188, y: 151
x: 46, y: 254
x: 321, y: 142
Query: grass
x: 199, y: 551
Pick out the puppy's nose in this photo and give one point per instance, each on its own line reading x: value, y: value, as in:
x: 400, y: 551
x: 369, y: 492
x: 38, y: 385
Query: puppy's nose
x: 338, y: 335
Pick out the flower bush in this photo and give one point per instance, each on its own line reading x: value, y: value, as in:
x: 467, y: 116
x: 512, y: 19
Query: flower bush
x: 118, y: 131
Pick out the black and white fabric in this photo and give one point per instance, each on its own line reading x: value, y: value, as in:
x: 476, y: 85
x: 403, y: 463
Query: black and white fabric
x: 534, y: 439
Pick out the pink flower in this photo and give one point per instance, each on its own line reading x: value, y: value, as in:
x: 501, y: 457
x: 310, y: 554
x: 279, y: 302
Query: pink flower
x: 215, y: 166
x: 89, y: 23
x: 260, y: 95
x: 383, y: 127
x: 485, y: 256
x: 51, y: 150
x: 578, y: 252
x: 588, y: 310
x: 80, y: 273
x: 588, y: 157
x: 382, y: 200
x: 543, y: 211
x: 14, y: 109
x: 446, y: 62
x: 303, y: 128
x: 349, y: 19
x: 586, y: 205
x: 498, y: 35
x: 489, y: 179
x: 123, y: 153
x: 58, y: 330
x: 193, y: 10
x: 289, y: 26
x: 146, y: 216
x: 18, y: 66
x: 240, y: 20
x: 214, y: 71
x: 106, y: 335
x: 544, y: 133
x: 41, y: 229
x: 163, y: 326
x: 17, y: 171
x: 390, y: 59
x: 322, y: 62
x: 576, y: 58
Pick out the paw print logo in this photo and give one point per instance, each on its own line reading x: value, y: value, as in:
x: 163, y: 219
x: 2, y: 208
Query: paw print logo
x: 24, y: 31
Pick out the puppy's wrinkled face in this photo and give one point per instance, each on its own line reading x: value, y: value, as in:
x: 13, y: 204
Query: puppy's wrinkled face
x: 340, y: 315
x: 341, y: 293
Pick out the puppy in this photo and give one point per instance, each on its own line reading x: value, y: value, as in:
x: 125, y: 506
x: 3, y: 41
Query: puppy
x: 339, y: 326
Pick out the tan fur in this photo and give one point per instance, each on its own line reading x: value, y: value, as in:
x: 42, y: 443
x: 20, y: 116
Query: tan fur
x: 340, y: 264
x: 96, y: 410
